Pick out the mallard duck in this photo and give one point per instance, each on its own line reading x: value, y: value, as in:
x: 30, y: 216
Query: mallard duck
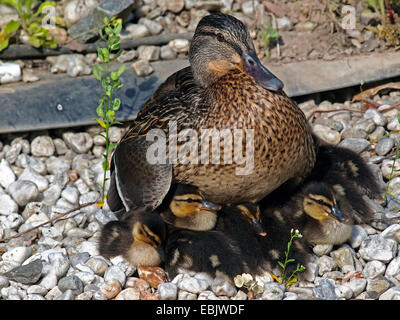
x: 227, y: 89
x: 189, y: 210
x: 139, y: 238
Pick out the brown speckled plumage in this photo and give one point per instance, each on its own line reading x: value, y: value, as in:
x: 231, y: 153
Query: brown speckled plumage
x: 283, y: 145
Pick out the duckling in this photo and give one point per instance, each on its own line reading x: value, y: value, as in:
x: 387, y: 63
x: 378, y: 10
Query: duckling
x: 225, y: 88
x: 231, y: 249
x: 139, y: 238
x: 189, y: 210
x: 315, y: 210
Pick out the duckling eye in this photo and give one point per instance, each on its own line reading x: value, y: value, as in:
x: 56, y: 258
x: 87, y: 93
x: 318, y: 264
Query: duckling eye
x: 220, y: 37
x: 321, y: 202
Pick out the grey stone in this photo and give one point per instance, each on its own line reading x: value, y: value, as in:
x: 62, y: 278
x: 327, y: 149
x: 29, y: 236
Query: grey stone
x: 80, y: 142
x: 55, y: 165
x: 115, y: 273
x: 358, y: 234
x: 344, y: 259
x: 327, y: 134
x: 137, y: 30
x: 377, y: 286
x: 7, y: 205
x: 353, y: 133
x: 72, y: 283
x: 366, y: 125
x: 42, y: 146
x: 167, y: 291
x: 357, y: 285
x: 305, y: 26
x: 284, y: 23
x: 26, y: 274
x: 17, y: 254
x: 142, y: 68
x: 97, y: 265
x: 390, y: 232
x: 179, y: 45
x: 37, y: 289
x: 357, y: 145
x: 52, y: 194
x: 67, y: 295
x: 378, y: 118
x: 7, y: 175
x: 4, y: 282
x: 61, y: 147
x: 12, y: 153
x: 154, y: 27
x: 393, y: 125
x: 391, y: 294
x: 149, y: 53
x: 325, y: 290
x: 31, y: 175
x: 75, y: 10
x: 343, y: 291
x: 393, y: 271
x: 71, y: 194
x: 325, y: 264
x: 23, y: 191
x: 193, y: 285
x: 167, y: 53
x: 378, y: 133
x: 384, y: 146
x: 185, y: 295
x: 321, y: 249
x: 373, y: 268
x: 221, y: 287
x: 34, y: 297
x: 376, y: 247
x: 273, y: 291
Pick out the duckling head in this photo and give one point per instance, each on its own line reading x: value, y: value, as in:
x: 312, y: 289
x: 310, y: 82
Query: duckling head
x: 319, y: 202
x: 251, y: 212
x: 221, y: 44
x: 148, y: 234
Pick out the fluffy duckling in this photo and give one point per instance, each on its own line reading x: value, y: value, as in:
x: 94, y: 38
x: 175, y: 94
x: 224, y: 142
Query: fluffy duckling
x: 231, y: 249
x: 139, y: 238
x: 187, y: 209
x: 316, y: 210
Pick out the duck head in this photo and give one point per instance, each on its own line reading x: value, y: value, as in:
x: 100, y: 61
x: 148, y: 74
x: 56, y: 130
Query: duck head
x: 148, y: 234
x: 251, y: 212
x: 320, y: 203
x: 222, y: 43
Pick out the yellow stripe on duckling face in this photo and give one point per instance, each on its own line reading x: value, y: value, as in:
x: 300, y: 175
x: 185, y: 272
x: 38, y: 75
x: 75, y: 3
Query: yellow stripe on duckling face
x: 141, y: 233
x: 186, y: 205
x: 317, y: 206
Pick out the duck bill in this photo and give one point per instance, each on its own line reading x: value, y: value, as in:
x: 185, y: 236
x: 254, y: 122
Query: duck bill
x: 253, y: 66
x: 258, y: 228
x: 207, y: 205
x: 339, y: 215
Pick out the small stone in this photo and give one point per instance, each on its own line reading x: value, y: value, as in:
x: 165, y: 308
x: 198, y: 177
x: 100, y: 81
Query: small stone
x: 61, y: 147
x: 26, y: 274
x: 384, y: 146
x: 325, y: 290
x: 75, y: 10
x: 248, y: 8
x: 377, y: 286
x: 98, y: 265
x: 111, y: 289
x: 376, y: 247
x: 179, y: 45
x: 358, y: 234
x: 71, y: 194
x: 88, y: 246
x: 33, y: 297
x: 167, y: 53
x: 378, y: 133
x: 207, y: 295
x: 357, y: 285
x: 7, y: 205
x: 373, y: 268
x: 390, y: 232
x: 391, y: 294
x: 378, y: 118
x: 325, y: 264
x: 344, y: 259
x: 193, y: 285
x: 4, y: 282
x: 42, y: 146
x: 273, y: 291
x: 52, y: 194
x: 393, y: 271
x: 321, y: 249
x: 327, y: 134
x: 23, y: 191
x: 56, y: 165
x: 305, y: 26
x: 185, y: 295
x: 154, y: 27
x: 17, y: 254
x: 7, y: 175
x: 84, y: 296
x: 31, y: 175
x: 284, y: 23
x: 175, y: 6
x: 149, y: 53
x: 115, y: 273
x: 393, y: 125
x: 357, y: 145
x: 137, y: 31
x: 71, y: 282
x: 353, y: 133
x: 37, y: 289
x: 128, y: 294
x: 9, y: 72
x: 153, y: 275
x: 167, y: 291
x: 80, y: 142
x: 67, y: 295
x: 221, y: 287
x: 366, y: 125
x: 142, y: 68
x: 344, y: 292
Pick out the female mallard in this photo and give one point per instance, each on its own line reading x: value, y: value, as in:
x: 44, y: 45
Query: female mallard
x: 227, y: 90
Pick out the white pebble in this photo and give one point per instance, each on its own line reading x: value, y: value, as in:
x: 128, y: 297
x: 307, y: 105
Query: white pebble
x: 18, y: 254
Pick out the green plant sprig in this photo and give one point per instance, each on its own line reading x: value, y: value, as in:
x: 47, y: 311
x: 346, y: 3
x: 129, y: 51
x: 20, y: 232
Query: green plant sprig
x: 289, y: 280
x: 266, y: 35
x: 110, y: 81
x: 31, y: 22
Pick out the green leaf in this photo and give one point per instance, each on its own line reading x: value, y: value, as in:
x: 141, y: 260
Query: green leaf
x: 290, y: 260
x: 99, y: 110
x: 123, y: 67
x: 281, y: 264
x: 12, y: 26
x: 28, y: 6
x: 101, y: 135
x: 112, y: 145
x: 105, y: 165
x: 116, y: 104
x: 115, y: 123
x: 114, y: 43
x: 4, y: 44
x: 114, y: 75
x: 108, y: 30
x: 44, y: 5
x: 106, y: 20
x: 97, y: 71
x: 117, y: 28
x: 11, y: 3
x: 35, y: 41
x: 100, y: 122
x: 110, y: 114
x: 398, y: 117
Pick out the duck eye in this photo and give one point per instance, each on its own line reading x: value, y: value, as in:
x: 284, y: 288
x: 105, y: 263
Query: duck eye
x: 220, y: 37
